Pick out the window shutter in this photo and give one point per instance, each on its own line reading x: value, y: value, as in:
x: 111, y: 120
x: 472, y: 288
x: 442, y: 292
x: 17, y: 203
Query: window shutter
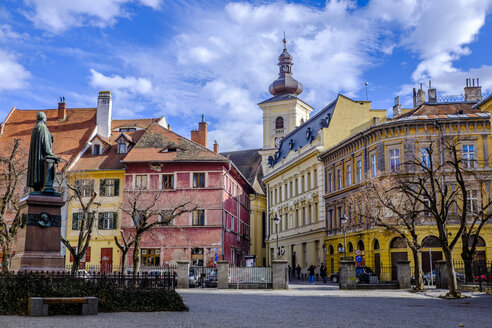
x: 114, y: 224
x: 88, y: 255
x: 116, y: 187
x: 102, y: 182
x: 100, y: 222
x: 75, y: 221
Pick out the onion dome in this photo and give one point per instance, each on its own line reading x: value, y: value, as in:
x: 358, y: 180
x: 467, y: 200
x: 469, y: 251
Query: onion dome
x: 285, y: 84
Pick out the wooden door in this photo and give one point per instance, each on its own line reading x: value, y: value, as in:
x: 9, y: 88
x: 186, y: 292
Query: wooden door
x: 106, y: 260
x: 395, y: 257
x: 377, y: 264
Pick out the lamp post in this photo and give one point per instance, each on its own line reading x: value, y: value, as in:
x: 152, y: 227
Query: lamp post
x: 343, y: 220
x: 276, y: 220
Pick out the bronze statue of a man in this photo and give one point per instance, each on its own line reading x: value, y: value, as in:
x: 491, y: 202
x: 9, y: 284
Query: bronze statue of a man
x: 41, y: 168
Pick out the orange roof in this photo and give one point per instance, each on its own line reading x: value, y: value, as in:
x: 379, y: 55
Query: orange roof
x: 69, y: 135
x: 439, y: 109
x: 158, y: 144
x: 110, y: 159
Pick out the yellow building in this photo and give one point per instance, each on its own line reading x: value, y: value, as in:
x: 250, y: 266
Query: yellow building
x: 99, y: 168
x: 292, y: 141
x: 379, y: 150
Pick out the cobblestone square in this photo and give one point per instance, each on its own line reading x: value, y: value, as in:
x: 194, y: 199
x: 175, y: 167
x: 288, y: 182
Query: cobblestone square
x: 303, y: 305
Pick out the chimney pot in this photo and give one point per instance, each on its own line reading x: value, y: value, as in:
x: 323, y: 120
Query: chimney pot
x: 200, y: 136
x: 62, y: 110
x: 472, y: 92
x: 216, y: 147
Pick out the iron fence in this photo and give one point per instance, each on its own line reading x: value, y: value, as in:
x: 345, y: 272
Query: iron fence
x: 205, y: 277
x: 165, y: 280
x: 250, y: 275
x: 128, y: 269
x: 481, y: 272
x: 385, y: 273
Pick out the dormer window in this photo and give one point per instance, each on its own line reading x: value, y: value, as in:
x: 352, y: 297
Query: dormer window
x: 96, y: 149
x: 122, y: 149
x: 127, y: 129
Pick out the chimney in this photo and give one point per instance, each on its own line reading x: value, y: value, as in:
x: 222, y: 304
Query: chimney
x: 200, y: 136
x: 216, y: 147
x: 104, y: 109
x: 420, y: 96
x: 169, y: 127
x: 62, y: 109
x: 397, y: 107
x: 432, y: 94
x: 473, y: 91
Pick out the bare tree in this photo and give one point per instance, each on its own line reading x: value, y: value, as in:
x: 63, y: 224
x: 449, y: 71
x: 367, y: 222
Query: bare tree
x: 381, y: 203
x: 145, y: 210
x: 124, y: 246
x: 13, y: 168
x: 479, y: 214
x: 82, y: 190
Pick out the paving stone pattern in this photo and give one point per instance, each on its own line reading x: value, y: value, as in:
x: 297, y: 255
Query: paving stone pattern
x: 319, y: 305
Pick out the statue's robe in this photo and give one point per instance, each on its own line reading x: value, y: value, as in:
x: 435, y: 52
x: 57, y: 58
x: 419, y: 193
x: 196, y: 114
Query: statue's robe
x: 41, y: 146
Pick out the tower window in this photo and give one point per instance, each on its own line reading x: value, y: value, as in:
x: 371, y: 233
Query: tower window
x: 279, y: 123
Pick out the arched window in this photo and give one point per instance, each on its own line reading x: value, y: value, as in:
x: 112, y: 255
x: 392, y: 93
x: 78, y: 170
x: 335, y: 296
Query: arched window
x: 431, y: 241
x: 360, y: 245
x: 331, y: 250
x: 398, y: 242
x: 279, y: 123
x: 350, y: 247
x: 340, y: 248
x: 480, y: 241
x: 376, y: 244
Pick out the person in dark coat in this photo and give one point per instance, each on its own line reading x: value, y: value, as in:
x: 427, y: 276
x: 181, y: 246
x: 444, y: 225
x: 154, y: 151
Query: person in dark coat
x: 298, y: 271
x: 322, y: 272
x: 311, y: 273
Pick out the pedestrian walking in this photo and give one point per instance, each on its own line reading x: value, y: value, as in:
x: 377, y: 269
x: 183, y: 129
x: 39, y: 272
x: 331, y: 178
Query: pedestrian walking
x: 322, y: 272
x: 290, y: 270
x: 311, y: 273
x: 298, y: 271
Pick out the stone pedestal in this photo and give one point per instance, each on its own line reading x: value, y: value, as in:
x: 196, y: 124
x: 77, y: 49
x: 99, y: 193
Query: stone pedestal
x: 441, y: 274
x: 403, y: 274
x: 222, y: 274
x: 280, y: 273
x: 347, y: 273
x: 37, y: 245
x: 183, y: 274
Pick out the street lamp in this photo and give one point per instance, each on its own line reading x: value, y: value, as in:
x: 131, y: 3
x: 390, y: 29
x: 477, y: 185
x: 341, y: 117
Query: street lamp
x: 343, y: 220
x: 276, y: 220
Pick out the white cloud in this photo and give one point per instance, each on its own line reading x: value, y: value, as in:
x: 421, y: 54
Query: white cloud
x: 59, y: 15
x: 130, y: 84
x: 12, y: 74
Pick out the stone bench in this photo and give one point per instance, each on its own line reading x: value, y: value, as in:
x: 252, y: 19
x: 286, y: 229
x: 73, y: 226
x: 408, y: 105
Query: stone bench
x: 38, y: 306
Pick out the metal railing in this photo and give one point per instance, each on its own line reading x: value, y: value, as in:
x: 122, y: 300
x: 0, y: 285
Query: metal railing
x: 166, y: 280
x: 205, y: 277
x: 97, y: 268
x: 481, y: 273
x: 250, y: 275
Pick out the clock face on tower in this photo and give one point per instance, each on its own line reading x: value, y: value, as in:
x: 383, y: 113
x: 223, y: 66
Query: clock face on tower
x: 277, y: 142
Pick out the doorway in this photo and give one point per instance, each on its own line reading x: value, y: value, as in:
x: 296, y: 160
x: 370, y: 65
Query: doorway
x: 106, y: 260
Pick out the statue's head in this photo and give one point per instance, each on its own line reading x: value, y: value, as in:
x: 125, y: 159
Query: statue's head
x: 41, y: 116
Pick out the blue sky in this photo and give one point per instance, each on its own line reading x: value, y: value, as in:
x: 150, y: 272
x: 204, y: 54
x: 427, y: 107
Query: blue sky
x: 185, y: 58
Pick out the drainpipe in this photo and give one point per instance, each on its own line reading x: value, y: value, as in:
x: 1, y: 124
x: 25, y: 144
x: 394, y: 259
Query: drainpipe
x: 267, y: 218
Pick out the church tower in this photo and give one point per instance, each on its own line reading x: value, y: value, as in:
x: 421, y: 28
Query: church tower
x: 284, y: 111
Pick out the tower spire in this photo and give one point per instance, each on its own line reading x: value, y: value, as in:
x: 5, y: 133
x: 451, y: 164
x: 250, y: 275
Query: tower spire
x: 285, y: 84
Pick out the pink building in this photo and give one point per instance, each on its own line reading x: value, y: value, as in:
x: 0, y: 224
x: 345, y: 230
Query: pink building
x: 182, y: 170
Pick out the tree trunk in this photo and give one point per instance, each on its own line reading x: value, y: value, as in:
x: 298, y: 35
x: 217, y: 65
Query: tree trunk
x: 452, y: 285
x: 136, y: 256
x: 123, y: 259
x: 417, y: 260
x: 468, y: 262
x: 6, y: 259
x: 75, y: 264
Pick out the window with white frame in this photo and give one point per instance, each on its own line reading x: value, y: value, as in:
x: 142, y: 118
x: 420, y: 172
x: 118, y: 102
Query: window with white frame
x: 394, y: 160
x: 339, y: 179
x: 349, y: 175
x: 472, y: 201
x: 359, y: 171
x: 107, y: 220
x: 122, y: 146
x: 84, y: 186
x: 374, y: 169
x: 141, y: 181
x: 199, y: 180
x: 468, y: 156
x: 167, y: 181
x: 198, y: 218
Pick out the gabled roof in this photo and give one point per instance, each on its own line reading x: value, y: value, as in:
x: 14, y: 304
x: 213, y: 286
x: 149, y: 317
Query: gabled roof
x: 110, y: 159
x: 249, y: 163
x: 133, y: 123
x: 69, y: 135
x: 156, y: 139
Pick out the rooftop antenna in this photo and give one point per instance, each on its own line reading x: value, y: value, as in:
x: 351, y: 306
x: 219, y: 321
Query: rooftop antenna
x: 366, y: 84
x: 203, y: 118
